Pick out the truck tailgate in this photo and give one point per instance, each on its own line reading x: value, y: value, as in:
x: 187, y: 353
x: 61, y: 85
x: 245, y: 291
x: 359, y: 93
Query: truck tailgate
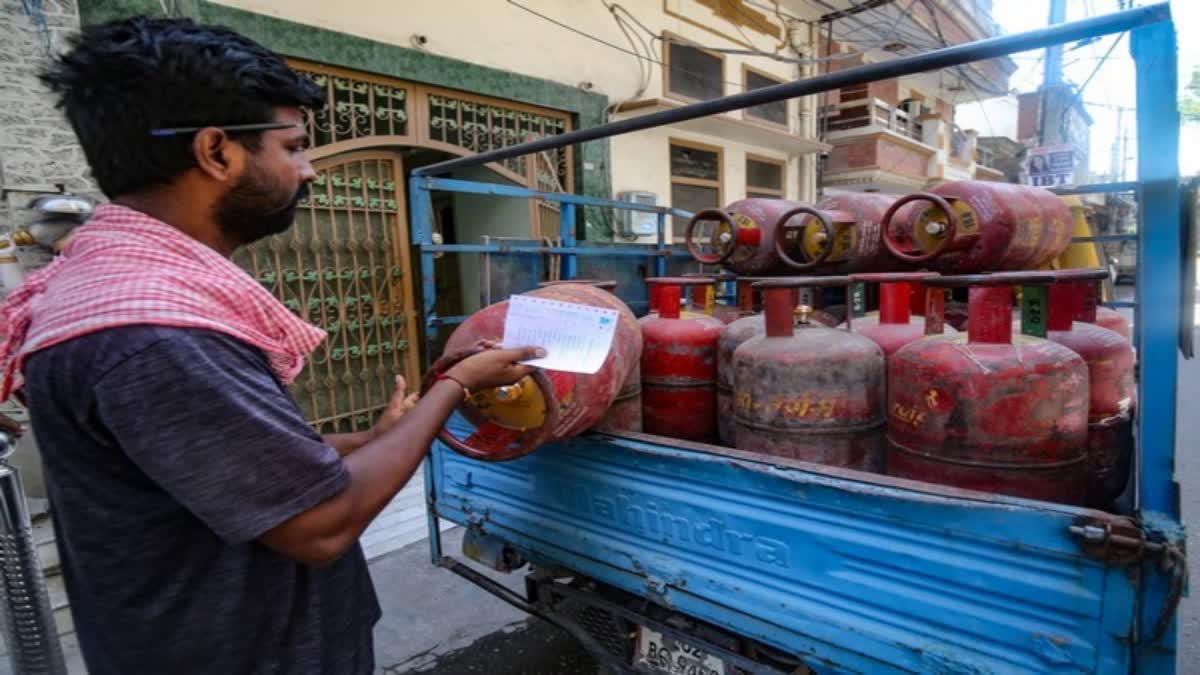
x: 855, y: 572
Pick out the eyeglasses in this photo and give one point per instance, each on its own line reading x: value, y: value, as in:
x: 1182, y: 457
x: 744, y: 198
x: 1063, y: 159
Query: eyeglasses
x: 261, y: 126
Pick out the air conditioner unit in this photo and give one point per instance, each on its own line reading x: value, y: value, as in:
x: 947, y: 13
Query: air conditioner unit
x: 634, y: 224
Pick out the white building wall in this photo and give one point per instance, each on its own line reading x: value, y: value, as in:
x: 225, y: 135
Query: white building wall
x: 990, y: 117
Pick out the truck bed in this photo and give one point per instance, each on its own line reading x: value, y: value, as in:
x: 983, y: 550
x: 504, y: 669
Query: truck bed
x: 853, y: 572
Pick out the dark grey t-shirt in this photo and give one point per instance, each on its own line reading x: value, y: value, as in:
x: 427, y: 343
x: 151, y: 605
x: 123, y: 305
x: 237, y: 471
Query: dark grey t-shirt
x: 168, y: 452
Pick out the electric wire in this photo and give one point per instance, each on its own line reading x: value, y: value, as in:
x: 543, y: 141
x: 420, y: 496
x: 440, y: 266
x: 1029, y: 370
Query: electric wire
x: 1079, y: 91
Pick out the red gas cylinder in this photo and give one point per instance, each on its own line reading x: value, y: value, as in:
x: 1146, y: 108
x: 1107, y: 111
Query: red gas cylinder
x: 807, y: 391
x: 726, y: 312
x: 654, y: 285
x: 857, y: 244
x: 1112, y: 320
x: 679, y: 367
x: 985, y: 411
x: 548, y: 405
x: 971, y: 226
x: 703, y: 299
x: 895, y: 325
x: 625, y: 413
x: 747, y: 326
x: 1113, y: 394
x: 747, y: 298
x: 741, y: 236
x: 1090, y: 311
x: 953, y: 314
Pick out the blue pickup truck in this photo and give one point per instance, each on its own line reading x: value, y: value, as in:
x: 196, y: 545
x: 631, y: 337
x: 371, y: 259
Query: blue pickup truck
x: 672, y: 557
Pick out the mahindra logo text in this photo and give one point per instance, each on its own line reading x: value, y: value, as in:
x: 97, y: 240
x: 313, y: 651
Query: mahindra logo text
x: 657, y: 520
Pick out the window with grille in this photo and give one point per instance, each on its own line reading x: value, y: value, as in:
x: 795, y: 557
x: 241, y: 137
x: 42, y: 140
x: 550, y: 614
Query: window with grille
x: 775, y: 113
x: 693, y: 73
x: 764, y: 177
x: 695, y: 180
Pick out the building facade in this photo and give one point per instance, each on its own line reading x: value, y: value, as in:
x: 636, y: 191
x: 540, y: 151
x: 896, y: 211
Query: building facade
x: 1054, y: 115
x: 900, y: 135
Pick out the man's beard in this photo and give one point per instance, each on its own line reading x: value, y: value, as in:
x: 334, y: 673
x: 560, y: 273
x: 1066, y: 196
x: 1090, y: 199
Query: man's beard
x: 252, y: 211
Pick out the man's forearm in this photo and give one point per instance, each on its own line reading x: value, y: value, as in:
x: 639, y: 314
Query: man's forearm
x: 383, y: 466
x: 378, y: 470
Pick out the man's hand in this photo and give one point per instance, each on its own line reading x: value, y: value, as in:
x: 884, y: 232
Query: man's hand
x: 11, y: 426
x: 400, y: 403
x: 494, y: 367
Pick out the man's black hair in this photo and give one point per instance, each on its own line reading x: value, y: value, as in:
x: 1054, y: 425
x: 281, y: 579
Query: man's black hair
x: 121, y: 79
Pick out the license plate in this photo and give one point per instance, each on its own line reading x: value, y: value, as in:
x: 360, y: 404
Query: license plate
x: 668, y: 655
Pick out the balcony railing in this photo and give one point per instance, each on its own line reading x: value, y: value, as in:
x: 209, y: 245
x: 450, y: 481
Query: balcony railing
x: 870, y: 112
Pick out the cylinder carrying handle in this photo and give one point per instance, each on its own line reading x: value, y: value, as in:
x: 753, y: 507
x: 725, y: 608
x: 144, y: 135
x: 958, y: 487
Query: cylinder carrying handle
x: 989, y: 307
x: 525, y: 441
x: 745, y: 292
x: 900, y: 307
x: 788, y: 283
x: 723, y: 240
x: 1084, y: 290
x: 802, y: 282
x: 953, y: 225
x: 705, y: 280
x: 663, y: 287
x: 1022, y: 278
x: 782, y: 226
x: 1081, y: 274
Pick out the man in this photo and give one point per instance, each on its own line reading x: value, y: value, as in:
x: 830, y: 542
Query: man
x: 13, y: 428
x: 203, y: 526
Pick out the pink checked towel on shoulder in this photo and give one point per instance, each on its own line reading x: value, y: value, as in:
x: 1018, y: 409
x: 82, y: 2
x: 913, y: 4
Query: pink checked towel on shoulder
x: 124, y: 268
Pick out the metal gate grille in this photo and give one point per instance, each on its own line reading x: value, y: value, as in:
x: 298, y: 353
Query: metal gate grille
x: 344, y: 266
x: 363, y: 109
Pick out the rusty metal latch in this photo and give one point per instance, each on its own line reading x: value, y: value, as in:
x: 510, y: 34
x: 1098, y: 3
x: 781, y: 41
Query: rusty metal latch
x: 1122, y: 541
x: 1119, y: 541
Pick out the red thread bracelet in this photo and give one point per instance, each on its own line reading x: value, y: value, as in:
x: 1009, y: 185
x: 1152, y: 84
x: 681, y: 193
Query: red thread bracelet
x: 466, y: 392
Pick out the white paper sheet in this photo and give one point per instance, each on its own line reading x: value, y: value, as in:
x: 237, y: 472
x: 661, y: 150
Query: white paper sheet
x: 576, y: 337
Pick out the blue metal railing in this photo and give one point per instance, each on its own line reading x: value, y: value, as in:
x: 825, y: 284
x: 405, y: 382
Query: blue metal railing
x: 421, y: 206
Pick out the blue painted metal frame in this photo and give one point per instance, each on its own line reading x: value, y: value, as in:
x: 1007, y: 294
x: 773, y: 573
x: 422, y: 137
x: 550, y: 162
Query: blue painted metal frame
x: 1154, y: 52
x: 1159, y: 287
x: 421, y: 222
x: 878, y: 574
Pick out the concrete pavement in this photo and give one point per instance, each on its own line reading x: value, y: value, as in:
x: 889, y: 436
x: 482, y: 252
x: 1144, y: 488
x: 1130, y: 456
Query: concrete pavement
x: 435, y: 622
x: 1187, y: 443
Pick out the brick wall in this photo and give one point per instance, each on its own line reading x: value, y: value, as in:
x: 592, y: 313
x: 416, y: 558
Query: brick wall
x: 878, y: 152
x: 850, y: 156
x: 38, y: 150
x: 902, y: 160
x: 887, y: 90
